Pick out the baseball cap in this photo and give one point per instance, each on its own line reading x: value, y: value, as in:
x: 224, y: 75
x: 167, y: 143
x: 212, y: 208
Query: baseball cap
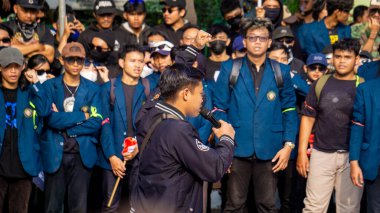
x: 238, y: 45
x: 174, y: 3
x: 10, y: 55
x: 104, y: 7
x: 316, y: 58
x: 73, y: 49
x: 374, y: 4
x: 162, y: 48
x: 281, y: 32
x: 32, y: 4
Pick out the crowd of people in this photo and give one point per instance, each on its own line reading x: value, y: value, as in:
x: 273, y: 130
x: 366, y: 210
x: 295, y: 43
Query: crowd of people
x: 297, y: 98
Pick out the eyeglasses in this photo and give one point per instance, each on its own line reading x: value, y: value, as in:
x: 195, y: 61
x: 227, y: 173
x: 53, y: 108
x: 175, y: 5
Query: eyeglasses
x: 170, y: 10
x: 41, y: 72
x: 255, y: 38
x: 88, y: 62
x: 374, y: 11
x: 315, y: 67
x: 5, y: 40
x: 99, y: 48
x: 71, y: 60
x: 286, y: 40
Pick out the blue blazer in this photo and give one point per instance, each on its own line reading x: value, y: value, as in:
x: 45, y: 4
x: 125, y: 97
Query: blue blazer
x: 154, y: 79
x: 27, y: 120
x: 115, y: 129
x: 314, y: 37
x: 365, y: 135
x: 74, y: 123
x: 370, y: 70
x: 263, y: 122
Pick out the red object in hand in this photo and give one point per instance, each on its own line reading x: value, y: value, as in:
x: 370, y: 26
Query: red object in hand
x: 129, y: 145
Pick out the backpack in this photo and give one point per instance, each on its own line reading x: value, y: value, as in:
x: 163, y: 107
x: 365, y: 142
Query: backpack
x: 145, y: 82
x: 322, y: 82
x: 236, y: 66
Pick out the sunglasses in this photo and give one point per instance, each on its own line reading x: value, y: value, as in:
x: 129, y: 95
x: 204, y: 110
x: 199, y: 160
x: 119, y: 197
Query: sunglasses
x: 315, y: 67
x: 170, y: 10
x: 374, y: 11
x: 5, y: 40
x: 255, y: 38
x: 41, y: 72
x: 72, y: 60
x: 286, y: 40
x: 88, y: 62
x: 99, y: 48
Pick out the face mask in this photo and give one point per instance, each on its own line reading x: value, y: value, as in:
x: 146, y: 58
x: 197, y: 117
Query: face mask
x: 146, y: 71
x: 272, y: 13
x: 42, y: 78
x: 89, y: 75
x: 235, y: 22
x: 99, y: 56
x: 74, y: 36
x: 218, y: 46
x: 27, y: 30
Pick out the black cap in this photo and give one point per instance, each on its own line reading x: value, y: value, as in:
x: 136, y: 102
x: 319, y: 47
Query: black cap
x: 31, y: 4
x: 174, y: 3
x: 281, y: 32
x: 104, y: 7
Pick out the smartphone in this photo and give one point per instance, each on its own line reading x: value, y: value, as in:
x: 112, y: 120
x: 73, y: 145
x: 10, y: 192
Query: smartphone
x: 70, y: 18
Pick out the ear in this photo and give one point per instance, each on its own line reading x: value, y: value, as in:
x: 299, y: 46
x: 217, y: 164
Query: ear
x: 357, y: 60
x: 228, y: 42
x: 125, y: 15
x: 121, y: 63
x: 15, y: 8
x: 269, y: 43
x: 182, y: 13
x: 245, y: 43
x: 94, y: 14
x: 305, y: 68
x: 60, y: 60
x: 185, y: 94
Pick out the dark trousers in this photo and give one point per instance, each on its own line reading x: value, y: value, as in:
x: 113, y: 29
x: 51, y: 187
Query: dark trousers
x: 18, y: 192
x: 108, y: 183
x: 286, y: 183
x: 259, y: 174
x: 373, y: 194
x: 73, y: 179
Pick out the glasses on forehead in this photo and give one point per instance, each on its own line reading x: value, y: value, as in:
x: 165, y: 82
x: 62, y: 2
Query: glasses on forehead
x: 315, y: 67
x: 255, y: 38
x: 71, y: 60
x: 6, y: 40
x: 170, y: 10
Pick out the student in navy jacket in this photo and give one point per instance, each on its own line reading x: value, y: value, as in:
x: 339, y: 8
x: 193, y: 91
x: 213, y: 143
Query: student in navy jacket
x: 264, y: 117
x: 120, y: 108
x: 19, y: 146
x: 365, y: 142
x: 314, y: 37
x: 71, y: 108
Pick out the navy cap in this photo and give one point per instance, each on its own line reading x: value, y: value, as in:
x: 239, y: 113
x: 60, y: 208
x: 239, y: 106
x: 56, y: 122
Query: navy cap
x: 238, y: 45
x: 31, y: 4
x: 174, y: 3
x: 316, y: 58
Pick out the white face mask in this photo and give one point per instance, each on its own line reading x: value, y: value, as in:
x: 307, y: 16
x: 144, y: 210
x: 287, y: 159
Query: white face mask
x: 146, y: 71
x: 42, y: 78
x: 89, y: 74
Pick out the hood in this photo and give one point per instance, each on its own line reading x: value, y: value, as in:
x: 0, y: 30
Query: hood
x: 279, y: 19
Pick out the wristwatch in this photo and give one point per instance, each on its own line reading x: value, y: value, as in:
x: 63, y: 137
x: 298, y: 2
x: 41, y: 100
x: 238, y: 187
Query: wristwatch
x: 291, y: 145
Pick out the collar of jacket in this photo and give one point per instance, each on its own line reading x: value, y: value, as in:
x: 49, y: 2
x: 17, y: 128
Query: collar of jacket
x: 167, y: 108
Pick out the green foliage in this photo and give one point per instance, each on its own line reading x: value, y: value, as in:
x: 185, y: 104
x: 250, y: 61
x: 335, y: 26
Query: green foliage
x: 292, y: 5
x: 208, y: 12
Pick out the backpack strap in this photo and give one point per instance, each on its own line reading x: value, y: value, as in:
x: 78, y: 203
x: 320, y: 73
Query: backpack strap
x: 146, y: 85
x: 359, y: 80
x: 112, y: 93
x: 277, y: 73
x: 236, y: 66
x: 320, y: 84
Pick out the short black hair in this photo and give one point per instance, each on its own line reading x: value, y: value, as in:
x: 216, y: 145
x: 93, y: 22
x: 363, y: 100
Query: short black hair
x: 227, y: 6
x: 342, y: 5
x: 131, y: 48
x: 36, y: 60
x: 218, y: 28
x: 276, y: 45
x: 136, y: 6
x: 176, y: 78
x: 6, y: 28
x: 347, y: 44
x: 318, y: 6
x: 247, y: 24
x: 359, y: 11
x: 69, y: 10
x: 153, y: 33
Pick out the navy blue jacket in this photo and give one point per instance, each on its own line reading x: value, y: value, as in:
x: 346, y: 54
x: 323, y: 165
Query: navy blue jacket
x: 87, y: 99
x: 175, y: 163
x: 370, y: 70
x: 263, y: 122
x: 114, y: 128
x: 365, y: 134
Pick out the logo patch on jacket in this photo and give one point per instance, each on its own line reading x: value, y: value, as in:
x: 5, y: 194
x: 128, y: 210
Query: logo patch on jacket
x: 201, y: 146
x: 28, y: 112
x: 271, y: 96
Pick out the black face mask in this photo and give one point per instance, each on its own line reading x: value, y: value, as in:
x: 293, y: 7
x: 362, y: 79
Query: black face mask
x: 99, y: 56
x: 235, y: 22
x: 218, y: 46
x: 272, y: 13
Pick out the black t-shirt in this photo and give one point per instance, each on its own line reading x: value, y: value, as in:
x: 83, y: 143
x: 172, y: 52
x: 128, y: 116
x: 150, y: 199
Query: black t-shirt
x: 257, y: 75
x: 211, y: 68
x: 129, y: 91
x: 171, y: 35
x: 43, y: 34
x: 10, y: 163
x: 70, y: 145
x: 333, y: 114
